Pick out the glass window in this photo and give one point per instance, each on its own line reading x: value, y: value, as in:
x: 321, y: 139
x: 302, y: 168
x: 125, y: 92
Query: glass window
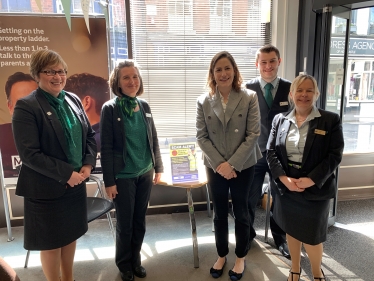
x: 358, y: 102
x: 175, y: 64
x: 180, y: 16
x: 15, y: 6
x: 220, y: 16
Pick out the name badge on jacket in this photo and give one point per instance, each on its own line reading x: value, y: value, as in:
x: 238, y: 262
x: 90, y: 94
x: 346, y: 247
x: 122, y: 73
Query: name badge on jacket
x: 148, y: 115
x: 283, y: 103
x: 320, y: 132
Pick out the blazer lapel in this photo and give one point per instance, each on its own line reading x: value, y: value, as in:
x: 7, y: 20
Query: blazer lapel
x: 310, y: 138
x: 284, y: 128
x: 233, y: 102
x: 53, y: 118
x: 215, y: 103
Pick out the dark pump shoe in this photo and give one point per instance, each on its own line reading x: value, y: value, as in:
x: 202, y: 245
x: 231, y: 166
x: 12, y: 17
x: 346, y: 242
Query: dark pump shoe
x: 139, y: 271
x: 216, y: 273
x: 283, y: 248
x: 237, y: 276
x: 127, y: 276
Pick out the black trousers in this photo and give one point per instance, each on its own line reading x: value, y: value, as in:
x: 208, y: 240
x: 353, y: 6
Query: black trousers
x: 239, y: 189
x: 255, y: 192
x: 131, y: 205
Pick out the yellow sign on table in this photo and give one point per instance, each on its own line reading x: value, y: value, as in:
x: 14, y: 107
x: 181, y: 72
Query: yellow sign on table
x: 183, y: 159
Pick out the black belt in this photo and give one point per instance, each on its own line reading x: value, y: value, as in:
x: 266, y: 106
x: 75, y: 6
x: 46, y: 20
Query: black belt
x: 296, y: 166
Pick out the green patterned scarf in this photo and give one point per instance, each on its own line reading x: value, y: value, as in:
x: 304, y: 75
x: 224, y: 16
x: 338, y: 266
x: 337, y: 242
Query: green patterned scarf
x: 127, y: 104
x: 57, y: 104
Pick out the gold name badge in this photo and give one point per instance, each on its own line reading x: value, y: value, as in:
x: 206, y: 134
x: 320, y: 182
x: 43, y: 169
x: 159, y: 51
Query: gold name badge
x: 320, y: 132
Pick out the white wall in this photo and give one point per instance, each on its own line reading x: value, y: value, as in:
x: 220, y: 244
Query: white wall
x: 284, y: 34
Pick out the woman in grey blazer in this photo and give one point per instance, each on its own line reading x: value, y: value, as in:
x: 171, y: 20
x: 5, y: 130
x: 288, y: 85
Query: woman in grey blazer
x: 228, y: 126
x: 131, y: 163
x: 57, y: 147
x: 304, y: 149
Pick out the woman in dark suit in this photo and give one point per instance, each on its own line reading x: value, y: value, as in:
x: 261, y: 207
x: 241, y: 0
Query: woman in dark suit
x: 57, y: 148
x: 228, y: 126
x: 304, y: 149
x: 131, y: 163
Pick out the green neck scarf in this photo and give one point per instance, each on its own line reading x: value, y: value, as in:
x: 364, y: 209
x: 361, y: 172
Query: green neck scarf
x: 127, y: 104
x: 57, y: 104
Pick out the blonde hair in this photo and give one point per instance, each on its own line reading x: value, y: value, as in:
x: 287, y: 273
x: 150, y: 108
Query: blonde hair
x: 211, y: 83
x: 44, y: 58
x: 296, y: 83
x: 114, y: 77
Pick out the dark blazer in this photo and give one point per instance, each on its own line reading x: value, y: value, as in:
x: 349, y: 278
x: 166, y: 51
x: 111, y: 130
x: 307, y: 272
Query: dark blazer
x: 42, y: 146
x: 322, y: 154
x: 113, y: 140
x: 280, y: 104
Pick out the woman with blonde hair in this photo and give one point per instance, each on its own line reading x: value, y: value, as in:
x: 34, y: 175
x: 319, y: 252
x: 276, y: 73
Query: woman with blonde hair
x: 304, y: 149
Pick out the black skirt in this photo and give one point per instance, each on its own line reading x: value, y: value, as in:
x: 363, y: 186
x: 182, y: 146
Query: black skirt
x: 302, y: 219
x: 54, y: 223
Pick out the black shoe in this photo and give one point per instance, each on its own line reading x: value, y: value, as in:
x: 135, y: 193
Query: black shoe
x: 283, y: 248
x: 127, y: 276
x: 237, y: 276
x: 139, y: 271
x: 294, y: 273
x: 216, y: 273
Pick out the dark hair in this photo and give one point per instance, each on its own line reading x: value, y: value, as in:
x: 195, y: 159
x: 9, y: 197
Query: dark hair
x: 114, y: 79
x: 86, y: 84
x: 211, y: 83
x: 267, y: 49
x: 15, y: 78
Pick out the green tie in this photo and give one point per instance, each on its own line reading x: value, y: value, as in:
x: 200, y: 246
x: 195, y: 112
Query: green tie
x: 268, y: 95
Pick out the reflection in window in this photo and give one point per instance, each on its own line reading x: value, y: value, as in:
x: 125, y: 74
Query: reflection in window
x: 367, y: 66
x: 15, y: 6
x: 220, y: 16
x: 180, y: 15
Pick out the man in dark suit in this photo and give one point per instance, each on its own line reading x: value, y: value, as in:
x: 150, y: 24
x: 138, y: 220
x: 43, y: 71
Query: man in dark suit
x: 272, y: 93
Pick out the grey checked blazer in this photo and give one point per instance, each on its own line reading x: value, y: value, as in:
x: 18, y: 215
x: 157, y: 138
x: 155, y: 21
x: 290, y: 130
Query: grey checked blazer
x: 232, y: 135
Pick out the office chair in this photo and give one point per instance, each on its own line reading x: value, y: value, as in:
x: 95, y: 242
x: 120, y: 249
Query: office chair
x: 96, y: 207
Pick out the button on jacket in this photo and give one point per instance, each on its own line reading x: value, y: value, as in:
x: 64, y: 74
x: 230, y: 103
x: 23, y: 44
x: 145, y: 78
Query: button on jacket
x: 231, y: 135
x: 44, y: 143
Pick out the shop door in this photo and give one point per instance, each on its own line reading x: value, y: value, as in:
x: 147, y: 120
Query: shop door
x: 350, y: 93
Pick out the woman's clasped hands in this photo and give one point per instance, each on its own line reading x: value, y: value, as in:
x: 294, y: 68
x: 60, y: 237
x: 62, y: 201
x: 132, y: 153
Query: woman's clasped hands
x: 77, y: 178
x: 297, y: 185
x: 226, y: 171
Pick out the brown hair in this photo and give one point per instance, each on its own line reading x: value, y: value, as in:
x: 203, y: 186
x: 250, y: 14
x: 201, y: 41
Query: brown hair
x: 114, y: 79
x: 211, y: 83
x: 44, y: 58
x: 267, y: 49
